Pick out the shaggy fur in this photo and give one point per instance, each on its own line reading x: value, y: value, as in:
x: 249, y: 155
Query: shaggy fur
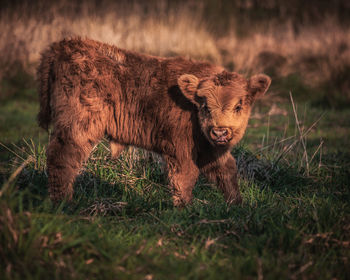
x: 191, y: 113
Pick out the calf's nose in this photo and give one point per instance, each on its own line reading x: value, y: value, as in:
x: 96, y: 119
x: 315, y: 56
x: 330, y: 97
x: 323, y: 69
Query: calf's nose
x: 219, y: 131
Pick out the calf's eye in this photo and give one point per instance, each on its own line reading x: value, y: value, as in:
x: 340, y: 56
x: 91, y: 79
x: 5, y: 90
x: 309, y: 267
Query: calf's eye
x: 238, y: 108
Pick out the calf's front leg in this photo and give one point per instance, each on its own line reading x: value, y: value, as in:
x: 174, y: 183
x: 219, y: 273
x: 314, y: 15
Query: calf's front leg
x: 182, y: 179
x: 223, y: 172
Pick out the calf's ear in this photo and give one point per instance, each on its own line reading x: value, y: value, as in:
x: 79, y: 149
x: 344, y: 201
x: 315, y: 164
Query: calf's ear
x: 258, y: 85
x: 188, y: 84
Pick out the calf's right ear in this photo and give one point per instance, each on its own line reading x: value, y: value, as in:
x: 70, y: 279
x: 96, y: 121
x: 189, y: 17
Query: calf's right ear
x: 188, y: 84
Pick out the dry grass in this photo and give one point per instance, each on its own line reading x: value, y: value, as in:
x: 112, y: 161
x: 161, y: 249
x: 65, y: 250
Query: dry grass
x: 320, y: 54
x: 316, y: 51
x: 179, y: 33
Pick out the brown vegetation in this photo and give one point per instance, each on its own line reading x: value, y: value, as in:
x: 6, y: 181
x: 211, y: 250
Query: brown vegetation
x: 191, y: 113
x: 318, y: 52
x: 316, y: 48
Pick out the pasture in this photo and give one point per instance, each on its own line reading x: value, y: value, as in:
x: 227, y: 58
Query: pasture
x: 294, y: 160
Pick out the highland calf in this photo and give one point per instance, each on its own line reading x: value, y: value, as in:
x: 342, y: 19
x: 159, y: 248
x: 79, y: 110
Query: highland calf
x: 192, y: 113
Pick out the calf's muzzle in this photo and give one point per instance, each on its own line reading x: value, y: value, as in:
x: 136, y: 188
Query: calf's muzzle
x: 220, y: 135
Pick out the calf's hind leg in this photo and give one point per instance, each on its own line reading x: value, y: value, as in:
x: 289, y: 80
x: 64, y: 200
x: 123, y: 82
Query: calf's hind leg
x: 65, y: 156
x: 116, y: 149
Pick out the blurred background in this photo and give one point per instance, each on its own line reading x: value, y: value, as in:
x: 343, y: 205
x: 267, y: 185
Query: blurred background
x: 303, y: 45
x: 306, y: 42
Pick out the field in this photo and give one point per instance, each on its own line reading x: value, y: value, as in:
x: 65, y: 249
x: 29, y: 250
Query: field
x: 294, y: 160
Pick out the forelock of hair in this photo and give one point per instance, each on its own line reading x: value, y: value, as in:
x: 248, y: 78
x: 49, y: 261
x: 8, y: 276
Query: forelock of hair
x: 224, y: 78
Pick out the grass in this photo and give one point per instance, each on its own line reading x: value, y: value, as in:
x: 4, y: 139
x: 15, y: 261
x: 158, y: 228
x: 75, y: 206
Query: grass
x: 293, y: 223
x: 290, y: 229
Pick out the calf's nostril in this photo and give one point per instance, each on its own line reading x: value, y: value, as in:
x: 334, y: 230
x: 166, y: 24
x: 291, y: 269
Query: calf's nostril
x: 219, y: 132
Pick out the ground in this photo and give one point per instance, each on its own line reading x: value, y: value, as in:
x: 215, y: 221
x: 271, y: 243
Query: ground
x: 293, y: 223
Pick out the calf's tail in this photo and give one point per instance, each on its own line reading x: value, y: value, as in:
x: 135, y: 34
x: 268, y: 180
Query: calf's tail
x: 45, y: 75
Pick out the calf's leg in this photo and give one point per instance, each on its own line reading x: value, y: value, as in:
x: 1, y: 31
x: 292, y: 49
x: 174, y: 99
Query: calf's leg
x: 223, y: 172
x: 65, y: 156
x: 116, y: 149
x: 182, y: 178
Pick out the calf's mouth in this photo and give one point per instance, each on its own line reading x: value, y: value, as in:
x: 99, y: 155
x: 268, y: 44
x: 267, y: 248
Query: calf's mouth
x: 220, y: 136
x: 221, y: 141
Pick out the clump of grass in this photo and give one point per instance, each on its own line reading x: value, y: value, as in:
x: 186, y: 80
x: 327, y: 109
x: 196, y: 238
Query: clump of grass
x: 289, y: 155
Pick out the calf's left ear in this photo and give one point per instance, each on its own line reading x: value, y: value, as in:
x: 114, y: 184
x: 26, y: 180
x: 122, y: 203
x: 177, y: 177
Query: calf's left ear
x: 188, y: 84
x: 258, y: 85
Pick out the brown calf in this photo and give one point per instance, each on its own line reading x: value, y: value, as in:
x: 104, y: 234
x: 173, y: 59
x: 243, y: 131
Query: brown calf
x: 191, y: 113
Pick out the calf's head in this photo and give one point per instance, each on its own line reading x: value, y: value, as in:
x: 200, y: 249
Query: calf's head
x: 224, y: 103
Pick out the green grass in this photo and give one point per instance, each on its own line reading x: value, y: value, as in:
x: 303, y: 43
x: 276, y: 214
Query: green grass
x: 18, y: 106
x: 293, y: 223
